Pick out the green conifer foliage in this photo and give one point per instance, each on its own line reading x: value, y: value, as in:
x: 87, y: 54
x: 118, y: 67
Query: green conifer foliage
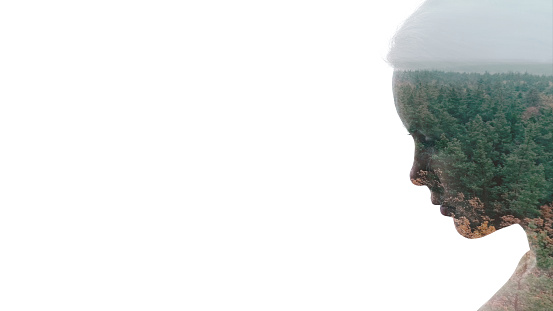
x: 484, y: 136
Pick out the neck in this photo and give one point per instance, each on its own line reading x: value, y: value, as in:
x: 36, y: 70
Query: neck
x: 540, y: 240
x: 529, y: 288
x: 531, y: 285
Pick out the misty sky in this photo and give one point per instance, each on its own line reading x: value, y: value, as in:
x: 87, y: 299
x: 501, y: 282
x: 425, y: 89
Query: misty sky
x: 477, y: 31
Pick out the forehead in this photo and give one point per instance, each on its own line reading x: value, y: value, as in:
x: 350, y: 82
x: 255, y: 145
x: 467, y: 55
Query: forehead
x: 410, y: 99
x: 430, y: 102
x: 439, y: 101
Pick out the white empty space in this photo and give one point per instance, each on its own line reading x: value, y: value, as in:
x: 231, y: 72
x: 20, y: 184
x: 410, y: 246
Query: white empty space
x: 219, y: 155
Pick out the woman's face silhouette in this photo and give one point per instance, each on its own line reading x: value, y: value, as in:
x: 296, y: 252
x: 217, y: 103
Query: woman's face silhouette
x: 477, y: 144
x: 427, y: 171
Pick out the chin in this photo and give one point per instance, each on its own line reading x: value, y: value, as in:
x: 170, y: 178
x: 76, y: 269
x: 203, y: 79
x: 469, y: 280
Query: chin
x: 471, y: 230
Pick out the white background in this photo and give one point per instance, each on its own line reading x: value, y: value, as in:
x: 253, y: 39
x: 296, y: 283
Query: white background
x: 219, y: 155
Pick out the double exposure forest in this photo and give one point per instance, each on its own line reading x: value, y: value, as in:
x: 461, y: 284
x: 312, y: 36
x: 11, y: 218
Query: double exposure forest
x: 486, y: 141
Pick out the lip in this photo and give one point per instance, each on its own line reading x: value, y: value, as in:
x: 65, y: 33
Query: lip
x: 446, y: 210
x: 435, y: 198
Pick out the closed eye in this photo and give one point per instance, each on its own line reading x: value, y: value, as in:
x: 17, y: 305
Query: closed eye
x: 425, y: 140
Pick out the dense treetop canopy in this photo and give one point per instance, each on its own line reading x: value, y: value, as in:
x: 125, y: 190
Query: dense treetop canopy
x: 489, y: 135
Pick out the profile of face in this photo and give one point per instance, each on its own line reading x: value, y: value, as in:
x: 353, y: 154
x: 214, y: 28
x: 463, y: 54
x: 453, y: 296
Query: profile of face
x: 484, y: 141
x: 483, y: 144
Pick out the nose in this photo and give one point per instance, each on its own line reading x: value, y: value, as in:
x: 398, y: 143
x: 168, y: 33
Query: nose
x: 418, y: 176
x: 419, y: 170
